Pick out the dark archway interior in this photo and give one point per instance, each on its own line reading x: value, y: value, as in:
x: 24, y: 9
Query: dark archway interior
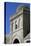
x: 28, y: 41
x: 16, y: 41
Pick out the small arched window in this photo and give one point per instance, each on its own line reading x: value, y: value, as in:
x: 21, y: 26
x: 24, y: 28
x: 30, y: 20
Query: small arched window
x: 16, y: 24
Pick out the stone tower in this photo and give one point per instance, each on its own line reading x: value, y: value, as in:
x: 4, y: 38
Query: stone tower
x: 20, y: 24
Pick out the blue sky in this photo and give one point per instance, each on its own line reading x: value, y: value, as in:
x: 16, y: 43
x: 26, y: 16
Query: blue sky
x: 10, y: 10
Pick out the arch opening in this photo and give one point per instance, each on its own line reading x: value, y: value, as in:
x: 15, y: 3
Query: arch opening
x: 28, y: 41
x: 16, y: 41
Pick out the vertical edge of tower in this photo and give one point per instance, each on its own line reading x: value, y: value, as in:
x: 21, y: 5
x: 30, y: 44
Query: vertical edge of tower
x: 26, y: 20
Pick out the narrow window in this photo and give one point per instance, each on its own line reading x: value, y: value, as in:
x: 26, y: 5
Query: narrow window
x: 16, y: 24
x: 12, y: 26
x: 19, y: 23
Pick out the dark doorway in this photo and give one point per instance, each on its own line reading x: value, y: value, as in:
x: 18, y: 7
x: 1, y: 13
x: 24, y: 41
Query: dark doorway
x: 28, y: 41
x: 16, y: 41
